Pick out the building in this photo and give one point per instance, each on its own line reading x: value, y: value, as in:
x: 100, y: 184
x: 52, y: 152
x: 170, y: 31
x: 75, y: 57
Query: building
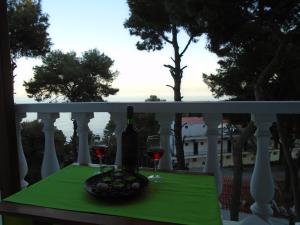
x: 195, y: 144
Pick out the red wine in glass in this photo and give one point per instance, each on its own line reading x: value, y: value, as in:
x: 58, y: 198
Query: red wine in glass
x: 155, y: 153
x: 100, y: 151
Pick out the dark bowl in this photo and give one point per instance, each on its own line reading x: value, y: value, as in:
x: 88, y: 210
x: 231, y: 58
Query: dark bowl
x: 116, y: 185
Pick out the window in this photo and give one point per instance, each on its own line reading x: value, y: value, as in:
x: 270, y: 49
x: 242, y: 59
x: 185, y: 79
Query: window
x: 229, y: 146
x: 186, y: 127
x: 196, y: 148
x: 244, y: 155
x: 201, y: 143
x: 194, y: 160
x: 227, y: 156
x: 186, y: 144
x: 219, y: 142
x: 203, y: 162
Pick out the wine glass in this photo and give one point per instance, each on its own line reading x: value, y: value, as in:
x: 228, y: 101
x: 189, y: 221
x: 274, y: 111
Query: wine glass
x: 100, y: 151
x: 155, y: 151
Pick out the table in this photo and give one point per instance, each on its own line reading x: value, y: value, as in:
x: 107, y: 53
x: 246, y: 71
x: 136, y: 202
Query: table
x: 60, y: 198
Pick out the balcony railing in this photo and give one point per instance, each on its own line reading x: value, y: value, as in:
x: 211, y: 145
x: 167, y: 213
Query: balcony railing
x: 263, y: 114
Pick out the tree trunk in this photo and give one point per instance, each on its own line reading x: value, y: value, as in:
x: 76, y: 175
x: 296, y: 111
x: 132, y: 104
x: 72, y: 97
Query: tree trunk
x: 293, y: 171
x: 238, y: 170
x: 177, y: 75
x: 9, y: 163
x: 75, y: 141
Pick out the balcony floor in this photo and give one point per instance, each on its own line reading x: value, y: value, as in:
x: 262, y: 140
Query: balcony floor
x: 226, y: 219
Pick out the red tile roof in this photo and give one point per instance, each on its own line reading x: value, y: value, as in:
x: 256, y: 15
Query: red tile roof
x: 192, y: 120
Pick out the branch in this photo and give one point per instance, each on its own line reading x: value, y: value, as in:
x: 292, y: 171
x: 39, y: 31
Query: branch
x: 187, y: 45
x: 183, y: 68
x: 172, y: 59
x: 54, y: 99
x: 269, y: 69
x: 169, y: 66
x: 170, y: 86
x: 166, y: 39
x: 172, y: 69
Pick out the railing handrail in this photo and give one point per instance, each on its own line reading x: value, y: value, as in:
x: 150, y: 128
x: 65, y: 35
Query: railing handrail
x: 263, y: 107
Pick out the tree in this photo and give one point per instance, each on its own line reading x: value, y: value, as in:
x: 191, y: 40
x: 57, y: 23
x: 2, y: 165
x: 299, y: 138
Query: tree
x: 72, y: 78
x: 156, y: 23
x: 11, y: 29
x: 86, y: 78
x: 33, y: 145
x: 9, y: 166
x: 254, y: 39
x: 154, y: 98
x: 259, y: 47
x: 27, y: 29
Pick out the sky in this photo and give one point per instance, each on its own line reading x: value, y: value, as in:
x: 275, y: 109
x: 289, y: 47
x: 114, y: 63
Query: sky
x: 75, y: 26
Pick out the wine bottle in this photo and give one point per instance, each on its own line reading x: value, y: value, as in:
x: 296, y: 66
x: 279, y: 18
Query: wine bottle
x: 130, y: 145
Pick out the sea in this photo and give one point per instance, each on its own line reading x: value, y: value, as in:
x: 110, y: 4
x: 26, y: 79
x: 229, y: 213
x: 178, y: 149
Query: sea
x: 100, y: 120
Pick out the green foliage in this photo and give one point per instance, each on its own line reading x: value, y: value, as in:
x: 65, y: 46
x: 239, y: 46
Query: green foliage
x: 259, y: 46
x: 154, y: 98
x: 85, y: 78
x: 27, y: 28
x: 33, y: 145
x: 152, y: 21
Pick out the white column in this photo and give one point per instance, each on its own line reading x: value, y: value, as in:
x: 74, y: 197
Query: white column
x: 82, y: 120
x: 262, y: 185
x: 212, y: 121
x: 50, y: 162
x: 23, y: 167
x: 165, y: 120
x: 119, y: 118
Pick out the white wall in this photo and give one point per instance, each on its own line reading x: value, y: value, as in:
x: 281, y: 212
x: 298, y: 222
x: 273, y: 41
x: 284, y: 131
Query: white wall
x: 197, y: 129
x: 202, y: 146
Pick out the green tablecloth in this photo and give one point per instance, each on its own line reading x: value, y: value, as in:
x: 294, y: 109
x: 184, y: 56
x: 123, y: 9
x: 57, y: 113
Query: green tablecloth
x: 181, y: 198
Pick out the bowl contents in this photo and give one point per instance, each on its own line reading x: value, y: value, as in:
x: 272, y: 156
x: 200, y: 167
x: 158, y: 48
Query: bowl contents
x: 116, y: 184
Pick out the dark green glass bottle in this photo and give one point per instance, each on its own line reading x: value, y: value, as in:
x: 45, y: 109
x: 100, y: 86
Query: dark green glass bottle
x: 130, y: 145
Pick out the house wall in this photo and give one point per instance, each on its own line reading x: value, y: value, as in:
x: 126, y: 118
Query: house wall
x: 247, y: 157
x: 202, y: 146
x: 197, y: 129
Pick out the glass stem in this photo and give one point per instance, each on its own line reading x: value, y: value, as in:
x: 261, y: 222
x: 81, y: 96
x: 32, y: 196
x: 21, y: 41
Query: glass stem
x: 155, y: 166
x: 100, y: 164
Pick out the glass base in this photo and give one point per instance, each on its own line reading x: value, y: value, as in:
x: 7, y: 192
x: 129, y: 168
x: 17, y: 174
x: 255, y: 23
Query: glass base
x: 104, y: 169
x: 155, y: 178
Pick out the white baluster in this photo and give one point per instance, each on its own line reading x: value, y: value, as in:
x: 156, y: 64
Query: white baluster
x: 165, y: 120
x: 23, y: 167
x: 212, y: 121
x: 262, y: 184
x: 50, y: 162
x: 82, y: 120
x: 119, y: 119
